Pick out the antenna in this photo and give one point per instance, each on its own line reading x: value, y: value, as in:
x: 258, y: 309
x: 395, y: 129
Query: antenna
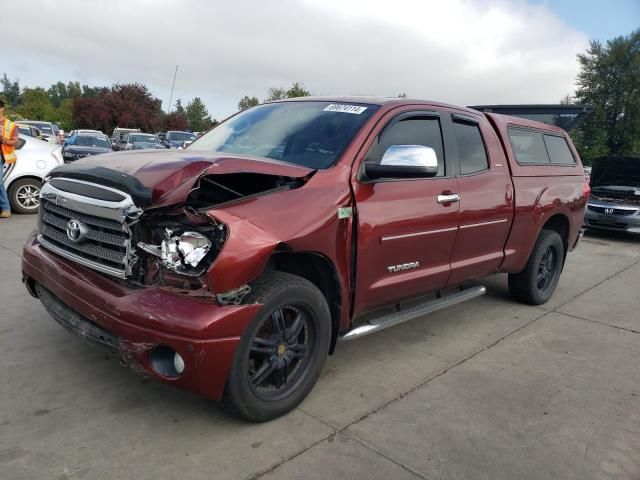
x: 172, y: 85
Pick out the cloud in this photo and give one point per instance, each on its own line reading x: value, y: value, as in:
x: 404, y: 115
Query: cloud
x: 459, y: 51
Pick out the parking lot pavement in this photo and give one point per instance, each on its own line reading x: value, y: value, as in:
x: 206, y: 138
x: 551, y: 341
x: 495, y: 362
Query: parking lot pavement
x: 487, y: 389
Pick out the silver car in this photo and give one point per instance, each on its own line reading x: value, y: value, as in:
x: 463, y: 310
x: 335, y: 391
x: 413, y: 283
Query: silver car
x: 615, y: 194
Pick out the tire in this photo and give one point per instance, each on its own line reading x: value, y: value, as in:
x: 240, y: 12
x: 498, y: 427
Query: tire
x: 24, y: 195
x: 282, y: 351
x: 537, y: 282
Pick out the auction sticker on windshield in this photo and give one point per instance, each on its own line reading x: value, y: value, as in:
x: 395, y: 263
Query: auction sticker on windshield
x: 337, y: 107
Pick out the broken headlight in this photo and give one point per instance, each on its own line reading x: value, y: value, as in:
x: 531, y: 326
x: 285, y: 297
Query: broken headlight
x: 184, y: 251
x: 188, y: 249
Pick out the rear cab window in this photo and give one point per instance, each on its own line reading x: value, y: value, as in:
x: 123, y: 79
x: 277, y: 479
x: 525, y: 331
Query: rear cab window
x: 532, y: 147
x: 558, y: 150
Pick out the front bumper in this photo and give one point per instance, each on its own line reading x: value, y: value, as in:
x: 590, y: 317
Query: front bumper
x: 613, y: 222
x: 132, y: 322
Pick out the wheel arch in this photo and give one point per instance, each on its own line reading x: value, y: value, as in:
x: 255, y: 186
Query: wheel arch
x: 319, y: 270
x: 23, y: 177
x: 560, y: 224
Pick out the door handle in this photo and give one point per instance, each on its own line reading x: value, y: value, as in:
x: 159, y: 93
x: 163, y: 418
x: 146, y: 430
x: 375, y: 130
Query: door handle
x: 450, y: 198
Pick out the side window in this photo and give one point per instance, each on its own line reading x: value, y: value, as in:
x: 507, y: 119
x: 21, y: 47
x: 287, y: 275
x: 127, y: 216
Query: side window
x: 471, y: 151
x: 528, y: 146
x: 559, y: 150
x: 423, y: 131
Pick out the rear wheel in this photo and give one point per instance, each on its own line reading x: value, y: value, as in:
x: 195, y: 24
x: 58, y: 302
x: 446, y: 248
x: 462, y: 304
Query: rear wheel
x: 282, y: 351
x: 24, y: 195
x: 537, y: 282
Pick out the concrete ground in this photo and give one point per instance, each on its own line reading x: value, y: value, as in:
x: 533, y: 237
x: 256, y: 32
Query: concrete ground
x: 489, y: 389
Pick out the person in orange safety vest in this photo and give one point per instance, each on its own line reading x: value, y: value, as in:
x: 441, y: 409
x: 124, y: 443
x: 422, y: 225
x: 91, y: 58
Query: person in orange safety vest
x: 9, y: 138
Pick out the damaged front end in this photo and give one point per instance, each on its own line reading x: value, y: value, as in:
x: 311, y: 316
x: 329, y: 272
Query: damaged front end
x: 173, y: 247
x: 178, y: 244
x: 180, y: 241
x: 145, y: 259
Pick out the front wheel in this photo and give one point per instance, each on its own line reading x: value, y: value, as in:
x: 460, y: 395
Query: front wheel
x: 537, y: 282
x: 24, y: 195
x: 283, y: 349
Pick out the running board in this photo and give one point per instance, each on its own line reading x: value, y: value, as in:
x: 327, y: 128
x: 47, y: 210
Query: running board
x: 396, y: 318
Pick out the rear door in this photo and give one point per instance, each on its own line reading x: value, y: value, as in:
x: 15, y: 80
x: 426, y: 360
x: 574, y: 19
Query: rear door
x: 486, y: 199
x: 405, y: 234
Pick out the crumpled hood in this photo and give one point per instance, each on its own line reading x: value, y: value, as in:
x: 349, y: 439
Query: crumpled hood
x: 160, y: 178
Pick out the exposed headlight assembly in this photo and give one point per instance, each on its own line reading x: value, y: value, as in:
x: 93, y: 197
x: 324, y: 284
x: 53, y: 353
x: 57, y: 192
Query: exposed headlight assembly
x: 187, y: 249
x: 184, y: 252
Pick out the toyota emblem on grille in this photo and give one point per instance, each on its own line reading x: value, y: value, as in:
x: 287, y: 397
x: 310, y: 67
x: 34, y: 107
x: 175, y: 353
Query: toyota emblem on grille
x: 608, y: 211
x: 76, y: 230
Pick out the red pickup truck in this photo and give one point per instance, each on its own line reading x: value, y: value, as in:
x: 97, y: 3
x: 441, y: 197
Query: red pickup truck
x: 233, y: 267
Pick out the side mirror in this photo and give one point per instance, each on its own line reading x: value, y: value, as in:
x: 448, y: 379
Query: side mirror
x: 21, y: 142
x: 404, y: 161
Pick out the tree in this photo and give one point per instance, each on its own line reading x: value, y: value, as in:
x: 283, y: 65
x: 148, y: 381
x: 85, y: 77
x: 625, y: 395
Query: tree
x: 247, y: 102
x: 35, y: 105
x: 274, y: 94
x: 402, y: 95
x: 57, y: 93
x: 132, y: 105
x: 179, y: 108
x: 123, y: 105
x: 10, y: 91
x: 175, y: 121
x: 88, y: 91
x: 94, y: 112
x: 609, y: 81
x: 279, y: 93
x: 64, y: 114
x: 198, y: 116
x: 74, y: 90
x: 297, y: 90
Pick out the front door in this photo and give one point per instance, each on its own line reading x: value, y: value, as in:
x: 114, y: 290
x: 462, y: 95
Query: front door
x: 406, y: 227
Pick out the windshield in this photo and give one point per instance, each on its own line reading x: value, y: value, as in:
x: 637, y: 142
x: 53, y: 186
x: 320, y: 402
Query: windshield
x: 180, y: 136
x: 311, y: 134
x: 142, y: 139
x: 89, y: 141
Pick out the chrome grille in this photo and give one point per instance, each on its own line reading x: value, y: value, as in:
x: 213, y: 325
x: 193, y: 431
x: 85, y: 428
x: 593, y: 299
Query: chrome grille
x: 93, y: 250
x: 614, y: 210
x: 104, y: 237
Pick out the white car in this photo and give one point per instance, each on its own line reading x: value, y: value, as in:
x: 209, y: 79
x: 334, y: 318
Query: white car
x: 23, y: 179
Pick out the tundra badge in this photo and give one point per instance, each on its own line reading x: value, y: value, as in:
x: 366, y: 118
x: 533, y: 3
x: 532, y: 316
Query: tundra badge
x: 403, y: 266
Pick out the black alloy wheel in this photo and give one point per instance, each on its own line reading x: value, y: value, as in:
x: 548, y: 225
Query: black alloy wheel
x: 547, y: 269
x: 537, y: 282
x: 279, y: 354
x: 283, y: 349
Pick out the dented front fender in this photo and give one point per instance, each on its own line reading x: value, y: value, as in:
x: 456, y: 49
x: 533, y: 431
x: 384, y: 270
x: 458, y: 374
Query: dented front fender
x: 245, y: 254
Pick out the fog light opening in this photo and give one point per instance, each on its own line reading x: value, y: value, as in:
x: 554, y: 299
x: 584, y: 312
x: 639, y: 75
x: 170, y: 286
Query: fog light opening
x: 166, y: 361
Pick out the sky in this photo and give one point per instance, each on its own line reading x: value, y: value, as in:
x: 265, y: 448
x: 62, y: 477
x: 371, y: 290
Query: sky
x: 456, y: 51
